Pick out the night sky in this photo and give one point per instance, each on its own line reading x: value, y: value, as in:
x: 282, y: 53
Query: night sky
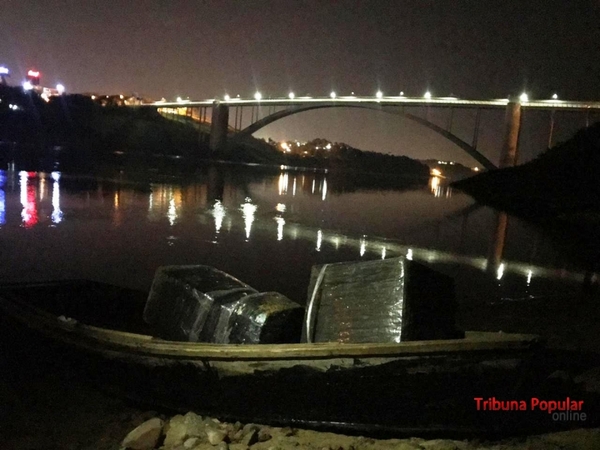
x: 202, y: 49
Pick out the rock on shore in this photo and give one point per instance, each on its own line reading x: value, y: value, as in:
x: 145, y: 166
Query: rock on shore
x: 193, y: 432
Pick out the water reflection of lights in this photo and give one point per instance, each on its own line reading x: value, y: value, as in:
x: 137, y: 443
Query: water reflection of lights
x: 390, y: 248
x: 434, y: 184
x: 283, y: 183
x: 172, y: 212
x: 164, y: 201
x: 294, y: 188
x: 336, y: 242
x: 438, y: 189
x: 500, y: 272
x: 280, y: 223
x: 2, y: 207
x: 29, y: 214
x: 313, y: 187
x: 42, y: 192
x: 248, y: 212
x: 218, y: 212
x: 324, y: 190
x: 363, y: 246
x: 280, y: 207
x: 57, y: 214
x: 2, y: 198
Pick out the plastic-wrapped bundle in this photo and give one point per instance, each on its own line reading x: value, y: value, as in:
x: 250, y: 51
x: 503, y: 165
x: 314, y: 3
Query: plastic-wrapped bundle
x: 182, y: 297
x: 265, y: 318
x: 388, y: 300
x: 203, y: 304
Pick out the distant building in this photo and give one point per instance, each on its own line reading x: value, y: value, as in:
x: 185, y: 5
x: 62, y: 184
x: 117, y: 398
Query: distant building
x: 116, y: 99
x: 449, y: 169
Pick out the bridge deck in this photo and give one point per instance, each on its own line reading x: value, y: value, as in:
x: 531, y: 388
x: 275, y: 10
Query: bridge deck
x: 389, y: 101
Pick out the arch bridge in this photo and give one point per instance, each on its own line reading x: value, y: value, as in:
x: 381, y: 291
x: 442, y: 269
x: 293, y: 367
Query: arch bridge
x: 216, y: 115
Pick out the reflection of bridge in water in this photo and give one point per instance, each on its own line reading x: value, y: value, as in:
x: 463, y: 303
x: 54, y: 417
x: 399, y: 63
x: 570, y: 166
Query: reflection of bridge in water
x: 237, y: 118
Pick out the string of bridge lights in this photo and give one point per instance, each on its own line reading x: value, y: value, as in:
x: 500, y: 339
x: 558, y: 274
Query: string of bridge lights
x: 258, y: 96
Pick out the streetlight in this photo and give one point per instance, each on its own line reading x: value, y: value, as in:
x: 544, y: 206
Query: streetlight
x: 179, y: 100
x: 555, y: 97
x: 257, y: 96
x: 27, y: 86
x: 60, y: 88
x: 427, y: 95
x: 291, y: 96
x: 332, y: 95
x: 401, y: 93
x: 227, y: 97
x: 524, y: 97
x: 379, y: 94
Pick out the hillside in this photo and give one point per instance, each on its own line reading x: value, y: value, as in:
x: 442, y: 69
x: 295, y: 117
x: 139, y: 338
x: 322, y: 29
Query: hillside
x: 85, y: 132
x: 561, y: 183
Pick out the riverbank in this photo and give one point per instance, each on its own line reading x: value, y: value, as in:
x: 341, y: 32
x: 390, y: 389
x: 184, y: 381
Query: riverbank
x: 197, y: 433
x: 561, y: 184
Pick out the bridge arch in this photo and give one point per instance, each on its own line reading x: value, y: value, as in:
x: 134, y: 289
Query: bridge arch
x: 469, y: 149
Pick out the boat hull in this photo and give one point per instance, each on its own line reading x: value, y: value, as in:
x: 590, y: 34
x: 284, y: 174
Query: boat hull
x: 426, y: 386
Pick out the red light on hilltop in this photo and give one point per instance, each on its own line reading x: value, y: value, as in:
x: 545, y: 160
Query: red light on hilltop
x: 33, y: 76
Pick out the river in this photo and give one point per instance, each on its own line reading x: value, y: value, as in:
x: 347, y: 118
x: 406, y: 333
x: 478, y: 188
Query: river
x: 267, y: 227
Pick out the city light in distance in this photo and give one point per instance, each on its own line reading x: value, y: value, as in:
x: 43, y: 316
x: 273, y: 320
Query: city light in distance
x: 257, y: 96
x: 427, y: 95
x: 555, y: 97
x: 332, y: 95
x: 60, y: 88
x: 524, y: 97
x: 401, y: 93
x: 4, y: 70
x: 27, y: 86
x: 33, y: 73
x: 379, y: 94
x: 436, y: 172
x: 179, y: 100
x: 291, y: 96
x: 227, y: 97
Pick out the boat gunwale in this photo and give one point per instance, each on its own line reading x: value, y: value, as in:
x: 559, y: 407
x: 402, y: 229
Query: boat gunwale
x: 102, y: 339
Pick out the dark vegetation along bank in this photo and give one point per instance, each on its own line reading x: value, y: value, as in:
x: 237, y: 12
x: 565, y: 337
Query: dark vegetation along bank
x: 561, y: 184
x: 83, y: 132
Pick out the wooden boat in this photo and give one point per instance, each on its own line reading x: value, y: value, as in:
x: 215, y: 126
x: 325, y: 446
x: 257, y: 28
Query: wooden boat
x: 418, y: 386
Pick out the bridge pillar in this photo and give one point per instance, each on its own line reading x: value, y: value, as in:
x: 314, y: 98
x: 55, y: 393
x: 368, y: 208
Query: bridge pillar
x: 511, y: 134
x: 219, y: 124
